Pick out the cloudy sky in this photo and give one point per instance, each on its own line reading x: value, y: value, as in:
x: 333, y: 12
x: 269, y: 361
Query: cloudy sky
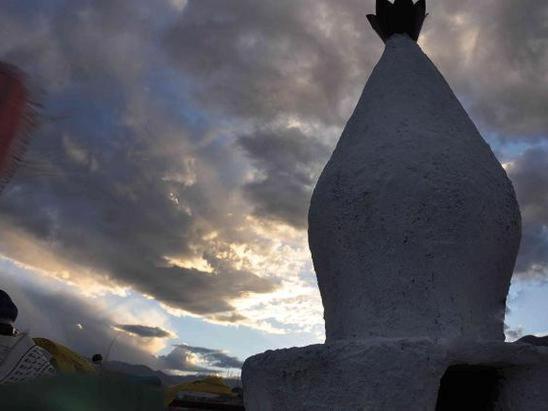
x: 161, y: 212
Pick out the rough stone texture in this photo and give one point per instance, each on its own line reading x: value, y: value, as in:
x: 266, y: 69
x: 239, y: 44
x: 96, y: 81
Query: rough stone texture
x: 388, y: 374
x: 413, y: 226
x: 525, y: 389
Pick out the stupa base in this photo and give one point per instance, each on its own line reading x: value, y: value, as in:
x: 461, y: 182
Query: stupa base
x: 398, y: 374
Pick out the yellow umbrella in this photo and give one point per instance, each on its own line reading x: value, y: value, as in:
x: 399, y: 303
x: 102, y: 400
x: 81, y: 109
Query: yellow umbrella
x: 65, y: 360
x: 209, y: 385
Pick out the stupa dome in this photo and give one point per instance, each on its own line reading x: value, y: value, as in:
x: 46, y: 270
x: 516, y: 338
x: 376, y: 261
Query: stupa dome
x: 414, y: 226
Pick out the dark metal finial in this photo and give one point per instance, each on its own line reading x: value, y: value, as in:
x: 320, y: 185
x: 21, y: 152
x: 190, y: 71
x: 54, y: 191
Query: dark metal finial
x: 402, y: 17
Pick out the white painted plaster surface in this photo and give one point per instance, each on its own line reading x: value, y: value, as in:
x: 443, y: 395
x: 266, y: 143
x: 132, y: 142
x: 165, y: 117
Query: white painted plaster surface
x: 388, y: 375
x: 413, y: 226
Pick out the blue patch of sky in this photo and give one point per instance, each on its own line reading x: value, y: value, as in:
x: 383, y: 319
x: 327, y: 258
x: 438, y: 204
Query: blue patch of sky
x: 308, y: 276
x: 528, y: 306
x: 172, y: 92
x: 507, y: 150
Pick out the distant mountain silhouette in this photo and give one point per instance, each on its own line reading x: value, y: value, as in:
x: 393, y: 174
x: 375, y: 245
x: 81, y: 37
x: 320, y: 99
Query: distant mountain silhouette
x: 167, y: 379
x: 531, y: 339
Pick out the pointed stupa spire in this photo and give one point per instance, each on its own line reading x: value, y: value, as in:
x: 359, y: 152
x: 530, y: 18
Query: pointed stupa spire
x: 400, y: 17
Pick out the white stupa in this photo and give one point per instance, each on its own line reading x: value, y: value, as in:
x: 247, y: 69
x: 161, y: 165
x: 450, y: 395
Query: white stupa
x: 414, y: 230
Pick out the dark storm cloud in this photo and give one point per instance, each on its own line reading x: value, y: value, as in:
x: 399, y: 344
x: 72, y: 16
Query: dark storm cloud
x: 120, y: 219
x: 181, y: 358
x: 144, y: 331
x: 215, y: 358
x: 204, y: 293
x: 132, y: 183
x: 229, y: 318
x: 143, y: 157
x: 253, y: 59
x: 502, y: 73
x: 260, y: 59
x: 530, y: 177
x: 288, y: 161
x: 529, y: 172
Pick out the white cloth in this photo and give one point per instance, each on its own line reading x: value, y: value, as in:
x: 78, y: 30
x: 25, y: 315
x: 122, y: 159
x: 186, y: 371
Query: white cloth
x: 22, y: 360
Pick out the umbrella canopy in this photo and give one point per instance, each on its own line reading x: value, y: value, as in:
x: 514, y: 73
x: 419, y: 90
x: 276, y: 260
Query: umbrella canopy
x: 209, y: 385
x: 66, y: 360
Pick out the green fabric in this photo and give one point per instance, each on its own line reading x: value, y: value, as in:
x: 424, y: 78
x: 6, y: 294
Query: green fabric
x: 81, y: 393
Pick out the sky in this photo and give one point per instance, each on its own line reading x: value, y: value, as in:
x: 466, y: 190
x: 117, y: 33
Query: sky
x: 160, y: 214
